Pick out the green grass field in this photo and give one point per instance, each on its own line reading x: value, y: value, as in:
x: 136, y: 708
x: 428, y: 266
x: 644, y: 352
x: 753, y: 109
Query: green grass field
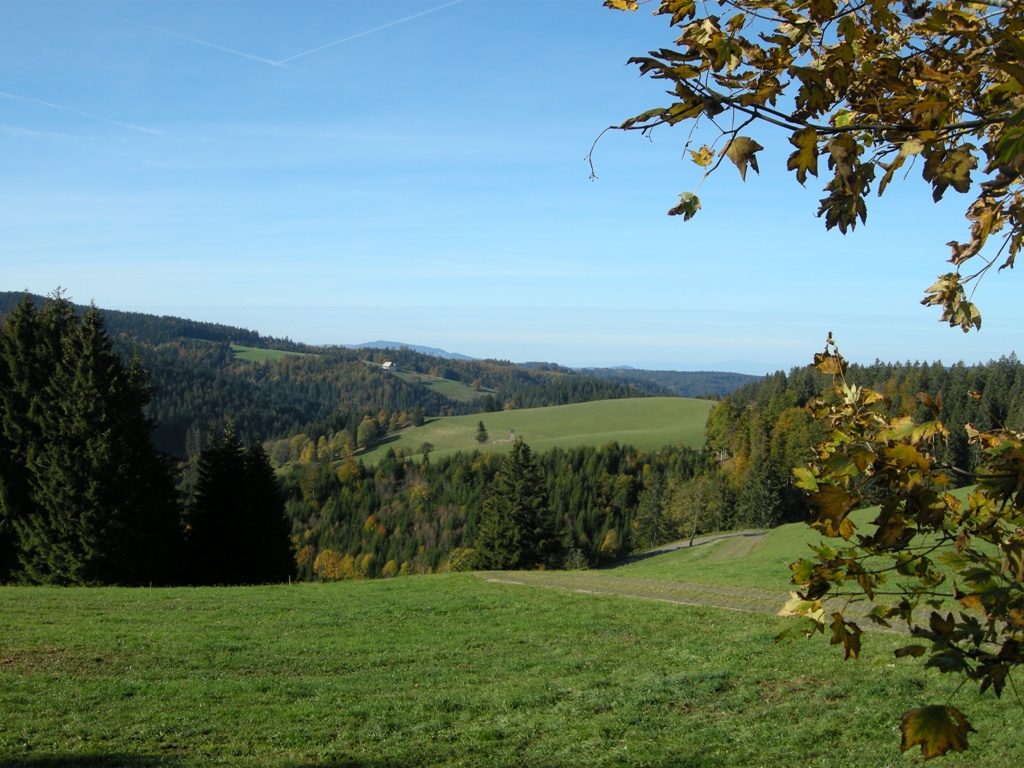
x: 260, y: 355
x: 648, y: 423
x: 444, y: 671
x: 453, y: 390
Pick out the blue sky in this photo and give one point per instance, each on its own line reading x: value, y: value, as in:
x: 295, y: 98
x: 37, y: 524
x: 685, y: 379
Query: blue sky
x: 339, y: 171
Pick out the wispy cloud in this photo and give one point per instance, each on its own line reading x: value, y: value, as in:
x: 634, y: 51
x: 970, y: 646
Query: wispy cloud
x: 81, y: 112
x: 208, y: 44
x: 283, y: 63
x: 366, y: 32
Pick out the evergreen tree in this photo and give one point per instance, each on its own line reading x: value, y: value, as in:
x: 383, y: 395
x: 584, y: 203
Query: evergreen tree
x: 516, y: 527
x: 481, y: 433
x: 24, y: 370
x: 650, y: 526
x: 237, y: 531
x: 91, y: 501
x: 268, y: 528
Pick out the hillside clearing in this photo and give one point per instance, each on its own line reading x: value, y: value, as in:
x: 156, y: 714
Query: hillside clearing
x: 647, y: 423
x: 262, y: 355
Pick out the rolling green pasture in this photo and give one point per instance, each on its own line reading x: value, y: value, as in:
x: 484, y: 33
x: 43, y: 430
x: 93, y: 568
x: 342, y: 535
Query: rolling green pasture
x: 453, y: 390
x: 648, y: 423
x: 760, y: 561
x: 260, y: 355
x: 444, y: 671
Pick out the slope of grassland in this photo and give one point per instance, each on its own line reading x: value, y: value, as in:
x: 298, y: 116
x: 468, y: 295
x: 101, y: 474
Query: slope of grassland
x: 261, y: 355
x: 742, y: 571
x: 444, y: 671
x: 648, y: 423
x: 453, y: 390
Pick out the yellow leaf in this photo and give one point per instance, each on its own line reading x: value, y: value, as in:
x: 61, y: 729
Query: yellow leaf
x: 805, y: 159
x: 911, y: 147
x: 621, y: 5
x: 703, y: 156
x: 937, y: 729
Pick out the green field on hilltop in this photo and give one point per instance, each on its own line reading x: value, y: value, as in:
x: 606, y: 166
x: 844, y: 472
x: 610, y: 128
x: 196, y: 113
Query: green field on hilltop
x: 444, y: 671
x: 261, y: 355
x: 453, y: 390
x: 647, y: 423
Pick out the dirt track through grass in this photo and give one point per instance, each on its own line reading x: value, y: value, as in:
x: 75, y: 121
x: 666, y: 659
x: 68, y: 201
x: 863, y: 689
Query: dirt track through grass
x: 747, y: 599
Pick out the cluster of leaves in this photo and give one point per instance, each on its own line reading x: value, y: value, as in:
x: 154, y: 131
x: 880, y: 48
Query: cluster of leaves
x: 869, y: 86
x: 951, y: 572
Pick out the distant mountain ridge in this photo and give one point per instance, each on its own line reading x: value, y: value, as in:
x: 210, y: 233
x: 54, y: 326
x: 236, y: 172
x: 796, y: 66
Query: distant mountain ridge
x: 431, y: 351
x: 202, y: 373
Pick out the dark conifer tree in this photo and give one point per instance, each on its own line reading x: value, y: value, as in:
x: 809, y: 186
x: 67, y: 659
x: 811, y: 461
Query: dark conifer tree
x: 24, y: 371
x: 272, y: 556
x: 102, y: 503
x: 516, y: 527
x: 237, y: 530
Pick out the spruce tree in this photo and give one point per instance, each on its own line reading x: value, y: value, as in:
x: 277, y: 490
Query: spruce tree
x: 22, y: 379
x: 237, y: 530
x: 103, y: 505
x: 516, y: 527
x: 84, y: 494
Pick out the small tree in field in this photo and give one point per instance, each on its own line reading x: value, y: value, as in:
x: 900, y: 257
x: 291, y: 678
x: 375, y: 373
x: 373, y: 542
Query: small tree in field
x: 481, y: 433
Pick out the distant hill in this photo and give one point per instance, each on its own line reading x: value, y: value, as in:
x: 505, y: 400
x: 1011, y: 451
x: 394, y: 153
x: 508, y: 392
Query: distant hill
x: 202, y: 373
x: 681, y: 383
x: 432, y: 351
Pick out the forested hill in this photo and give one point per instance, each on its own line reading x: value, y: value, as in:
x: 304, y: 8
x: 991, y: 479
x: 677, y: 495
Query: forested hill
x: 704, y: 384
x: 271, y: 388
x: 762, y: 430
x: 157, y: 329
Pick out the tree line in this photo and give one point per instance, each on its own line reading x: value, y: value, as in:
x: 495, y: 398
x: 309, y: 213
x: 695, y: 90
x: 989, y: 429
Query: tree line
x: 84, y: 496
x: 196, y: 381
x: 415, y: 516
x: 406, y: 515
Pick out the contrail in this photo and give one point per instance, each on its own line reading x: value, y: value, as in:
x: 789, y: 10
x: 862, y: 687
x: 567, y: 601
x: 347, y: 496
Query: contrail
x: 369, y: 31
x: 208, y: 44
x: 83, y: 113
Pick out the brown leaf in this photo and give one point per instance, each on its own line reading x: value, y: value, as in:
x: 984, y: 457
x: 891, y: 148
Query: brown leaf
x: 937, y: 729
x: 742, y: 151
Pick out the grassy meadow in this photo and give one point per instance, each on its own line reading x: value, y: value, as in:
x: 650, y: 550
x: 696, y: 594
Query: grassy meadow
x: 456, y: 670
x: 649, y: 423
x: 261, y: 355
x: 453, y: 390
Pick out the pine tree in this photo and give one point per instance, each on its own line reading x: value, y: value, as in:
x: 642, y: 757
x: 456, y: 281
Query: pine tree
x: 84, y: 498
x: 24, y: 371
x: 271, y: 549
x: 481, y: 433
x: 516, y: 527
x: 103, y: 506
x: 236, y: 527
